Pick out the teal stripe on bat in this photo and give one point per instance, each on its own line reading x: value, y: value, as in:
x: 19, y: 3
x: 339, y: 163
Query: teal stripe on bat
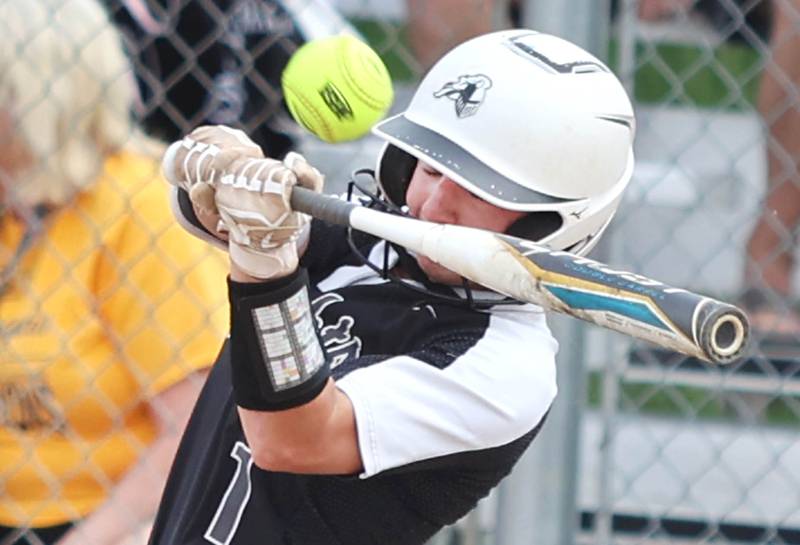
x: 581, y: 300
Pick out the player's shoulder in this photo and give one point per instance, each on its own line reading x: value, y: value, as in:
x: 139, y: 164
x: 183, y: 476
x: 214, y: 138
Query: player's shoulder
x: 125, y: 184
x: 521, y: 317
x: 521, y: 333
x: 136, y: 180
x: 136, y: 173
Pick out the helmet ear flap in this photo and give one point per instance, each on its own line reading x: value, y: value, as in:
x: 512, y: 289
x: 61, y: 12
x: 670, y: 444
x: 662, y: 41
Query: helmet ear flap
x: 395, y: 168
x: 536, y: 225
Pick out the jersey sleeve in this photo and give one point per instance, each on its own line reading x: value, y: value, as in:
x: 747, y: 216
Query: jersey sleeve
x: 162, y: 293
x: 497, y: 390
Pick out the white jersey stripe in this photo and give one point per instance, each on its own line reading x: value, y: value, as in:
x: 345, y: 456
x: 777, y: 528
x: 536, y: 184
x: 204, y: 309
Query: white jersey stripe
x: 498, y: 390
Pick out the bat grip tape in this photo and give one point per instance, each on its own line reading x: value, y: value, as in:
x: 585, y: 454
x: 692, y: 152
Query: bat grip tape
x: 323, y: 207
x: 277, y: 360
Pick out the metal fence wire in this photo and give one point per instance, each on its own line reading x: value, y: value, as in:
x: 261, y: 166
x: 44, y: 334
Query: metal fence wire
x: 651, y: 447
x: 690, y: 452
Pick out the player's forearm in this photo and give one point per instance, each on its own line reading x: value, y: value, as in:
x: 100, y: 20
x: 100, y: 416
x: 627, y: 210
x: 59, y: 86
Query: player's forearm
x: 294, y: 417
x: 132, y: 503
x: 316, y: 437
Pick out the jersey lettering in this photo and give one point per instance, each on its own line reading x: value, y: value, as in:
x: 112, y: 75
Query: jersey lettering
x: 338, y: 339
x: 226, y: 520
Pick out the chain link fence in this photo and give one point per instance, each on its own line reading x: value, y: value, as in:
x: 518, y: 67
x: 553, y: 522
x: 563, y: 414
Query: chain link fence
x: 643, y: 446
x: 684, y: 451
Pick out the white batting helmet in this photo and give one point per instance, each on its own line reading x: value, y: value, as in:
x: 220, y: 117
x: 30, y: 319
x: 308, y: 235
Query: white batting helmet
x: 528, y: 122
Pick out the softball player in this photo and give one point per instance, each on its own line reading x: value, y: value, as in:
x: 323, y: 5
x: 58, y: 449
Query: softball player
x: 367, y: 395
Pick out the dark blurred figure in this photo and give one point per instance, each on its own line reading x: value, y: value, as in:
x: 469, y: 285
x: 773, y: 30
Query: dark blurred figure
x: 737, y: 20
x: 219, y: 61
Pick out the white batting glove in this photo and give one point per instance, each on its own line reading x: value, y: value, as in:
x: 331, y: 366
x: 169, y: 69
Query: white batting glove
x: 226, y: 174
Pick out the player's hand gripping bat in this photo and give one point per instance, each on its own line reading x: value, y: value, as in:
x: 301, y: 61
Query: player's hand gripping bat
x: 629, y: 303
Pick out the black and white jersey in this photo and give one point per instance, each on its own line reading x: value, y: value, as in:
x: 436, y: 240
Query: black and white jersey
x: 446, y: 399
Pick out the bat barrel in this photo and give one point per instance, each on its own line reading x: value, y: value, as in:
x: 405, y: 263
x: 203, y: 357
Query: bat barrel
x: 723, y: 334
x: 626, y: 302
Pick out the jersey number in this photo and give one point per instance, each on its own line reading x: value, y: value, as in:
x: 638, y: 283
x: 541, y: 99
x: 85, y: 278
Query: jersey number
x: 226, y: 520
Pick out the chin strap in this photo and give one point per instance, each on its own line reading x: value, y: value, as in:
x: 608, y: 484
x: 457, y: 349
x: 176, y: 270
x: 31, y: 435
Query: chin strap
x: 431, y: 291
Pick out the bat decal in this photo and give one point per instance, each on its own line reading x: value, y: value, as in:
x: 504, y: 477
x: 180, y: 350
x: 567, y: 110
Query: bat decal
x: 581, y: 300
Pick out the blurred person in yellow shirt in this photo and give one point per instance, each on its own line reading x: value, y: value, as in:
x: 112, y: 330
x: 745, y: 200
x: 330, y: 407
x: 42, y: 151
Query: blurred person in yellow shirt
x: 109, y: 313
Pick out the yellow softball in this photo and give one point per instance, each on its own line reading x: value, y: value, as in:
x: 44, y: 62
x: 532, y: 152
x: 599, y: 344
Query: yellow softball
x: 337, y: 87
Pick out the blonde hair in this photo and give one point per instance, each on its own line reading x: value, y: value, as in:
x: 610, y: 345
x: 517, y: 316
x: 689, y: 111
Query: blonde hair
x: 68, y: 85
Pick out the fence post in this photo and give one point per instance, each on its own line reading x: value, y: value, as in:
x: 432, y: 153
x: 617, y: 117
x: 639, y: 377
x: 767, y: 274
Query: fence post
x: 537, y: 504
x: 584, y: 22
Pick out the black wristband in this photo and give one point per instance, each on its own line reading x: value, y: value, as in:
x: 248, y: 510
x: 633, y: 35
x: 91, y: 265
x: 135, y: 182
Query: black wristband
x: 277, y: 361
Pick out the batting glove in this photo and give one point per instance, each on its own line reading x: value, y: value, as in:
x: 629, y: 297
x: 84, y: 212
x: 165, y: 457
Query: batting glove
x: 226, y: 175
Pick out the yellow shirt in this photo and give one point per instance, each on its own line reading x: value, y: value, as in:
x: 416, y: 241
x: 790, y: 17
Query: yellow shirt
x: 112, y: 304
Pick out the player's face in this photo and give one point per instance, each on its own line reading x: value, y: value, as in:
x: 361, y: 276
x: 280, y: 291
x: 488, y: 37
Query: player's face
x: 432, y: 196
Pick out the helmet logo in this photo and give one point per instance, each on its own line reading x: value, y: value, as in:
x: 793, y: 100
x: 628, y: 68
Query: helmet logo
x: 468, y: 93
x: 577, y: 214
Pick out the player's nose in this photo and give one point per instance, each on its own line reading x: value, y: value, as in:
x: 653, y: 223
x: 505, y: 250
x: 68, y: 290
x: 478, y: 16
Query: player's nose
x: 445, y: 201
